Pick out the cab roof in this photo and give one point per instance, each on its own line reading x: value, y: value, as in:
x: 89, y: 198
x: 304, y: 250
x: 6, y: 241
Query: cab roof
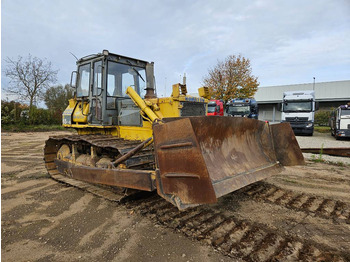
x: 113, y: 57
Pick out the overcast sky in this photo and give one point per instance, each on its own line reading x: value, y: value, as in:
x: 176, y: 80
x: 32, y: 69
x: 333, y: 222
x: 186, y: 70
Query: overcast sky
x: 288, y: 42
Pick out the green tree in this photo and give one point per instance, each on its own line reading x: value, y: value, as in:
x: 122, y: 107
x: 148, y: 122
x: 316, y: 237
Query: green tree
x: 322, y: 117
x: 56, y: 97
x: 231, y: 78
x: 29, y: 78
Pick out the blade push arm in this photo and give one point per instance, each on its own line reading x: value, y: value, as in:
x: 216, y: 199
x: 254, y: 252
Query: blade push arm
x: 142, y: 105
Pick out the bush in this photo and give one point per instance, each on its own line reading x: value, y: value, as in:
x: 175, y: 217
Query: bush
x: 42, y: 116
x: 323, y: 129
x: 14, y: 113
x: 322, y: 118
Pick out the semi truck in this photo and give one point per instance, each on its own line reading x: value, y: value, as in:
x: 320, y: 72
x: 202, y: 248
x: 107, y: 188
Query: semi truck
x: 243, y: 107
x: 340, y: 122
x: 298, y: 108
x: 215, y: 108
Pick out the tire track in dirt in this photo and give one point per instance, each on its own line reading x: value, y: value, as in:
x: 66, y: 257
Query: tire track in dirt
x: 232, y: 236
x: 241, y: 238
x: 219, y: 228
x: 322, y: 207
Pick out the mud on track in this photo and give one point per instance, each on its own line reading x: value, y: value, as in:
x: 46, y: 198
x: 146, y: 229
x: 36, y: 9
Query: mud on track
x: 301, y: 214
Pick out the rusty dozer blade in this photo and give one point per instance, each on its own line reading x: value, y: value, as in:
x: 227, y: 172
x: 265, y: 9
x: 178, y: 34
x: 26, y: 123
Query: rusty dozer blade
x: 200, y: 159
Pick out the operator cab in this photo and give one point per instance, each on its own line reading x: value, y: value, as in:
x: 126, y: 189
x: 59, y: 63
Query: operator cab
x: 101, y: 81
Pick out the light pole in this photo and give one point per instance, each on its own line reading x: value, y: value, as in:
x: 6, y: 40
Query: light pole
x: 239, y: 91
x: 313, y: 88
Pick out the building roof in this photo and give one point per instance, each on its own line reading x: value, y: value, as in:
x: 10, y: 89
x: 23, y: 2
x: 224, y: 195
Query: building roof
x: 324, y: 91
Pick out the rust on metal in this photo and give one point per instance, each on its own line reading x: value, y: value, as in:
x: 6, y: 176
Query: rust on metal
x: 129, y: 178
x: 226, y: 154
x: 181, y: 175
x: 131, y: 152
x: 332, y: 151
x: 183, y: 160
x: 176, y: 145
x: 126, y: 178
x: 286, y: 145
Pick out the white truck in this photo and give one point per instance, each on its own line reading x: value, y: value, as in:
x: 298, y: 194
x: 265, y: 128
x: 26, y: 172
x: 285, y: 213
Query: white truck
x: 298, y: 108
x: 340, y: 122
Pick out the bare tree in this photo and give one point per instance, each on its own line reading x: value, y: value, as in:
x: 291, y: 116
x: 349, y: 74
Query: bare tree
x: 29, y: 78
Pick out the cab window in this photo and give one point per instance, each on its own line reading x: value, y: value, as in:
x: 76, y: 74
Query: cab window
x: 97, y: 86
x: 83, y: 82
x: 121, y: 76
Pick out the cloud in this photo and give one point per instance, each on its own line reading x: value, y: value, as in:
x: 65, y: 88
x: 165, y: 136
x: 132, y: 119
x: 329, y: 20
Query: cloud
x: 287, y: 41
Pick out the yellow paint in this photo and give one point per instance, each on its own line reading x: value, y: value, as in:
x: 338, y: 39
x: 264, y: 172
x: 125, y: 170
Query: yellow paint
x: 81, y: 111
x: 204, y: 92
x: 141, y: 104
x: 126, y: 132
x: 152, y: 109
x: 169, y: 107
x: 134, y: 132
x: 176, y: 91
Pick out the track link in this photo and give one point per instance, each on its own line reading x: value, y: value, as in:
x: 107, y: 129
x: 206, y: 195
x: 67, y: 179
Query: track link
x: 107, y: 143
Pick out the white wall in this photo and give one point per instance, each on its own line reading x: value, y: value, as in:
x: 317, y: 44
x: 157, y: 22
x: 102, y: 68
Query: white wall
x: 325, y: 91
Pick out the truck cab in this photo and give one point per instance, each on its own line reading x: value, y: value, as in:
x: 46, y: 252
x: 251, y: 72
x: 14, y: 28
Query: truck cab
x: 215, y: 108
x: 298, y: 109
x: 340, y: 122
x: 243, y: 107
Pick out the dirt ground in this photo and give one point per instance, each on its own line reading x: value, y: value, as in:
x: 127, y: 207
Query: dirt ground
x: 324, y: 140
x: 301, y: 214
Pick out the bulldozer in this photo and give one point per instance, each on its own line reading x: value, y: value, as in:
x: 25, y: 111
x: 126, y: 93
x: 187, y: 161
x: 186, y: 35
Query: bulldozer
x: 130, y: 139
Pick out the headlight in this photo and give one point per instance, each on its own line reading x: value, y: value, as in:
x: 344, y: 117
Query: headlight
x: 309, y: 125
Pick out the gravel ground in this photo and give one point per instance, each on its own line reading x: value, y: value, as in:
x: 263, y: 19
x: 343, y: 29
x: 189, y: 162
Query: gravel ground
x: 326, y: 140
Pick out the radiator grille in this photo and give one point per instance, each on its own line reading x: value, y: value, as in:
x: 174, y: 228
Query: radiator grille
x: 192, y: 109
x: 296, y: 119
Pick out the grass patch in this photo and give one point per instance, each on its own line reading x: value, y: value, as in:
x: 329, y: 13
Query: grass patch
x: 318, y: 159
x: 33, y: 128
x: 322, y: 129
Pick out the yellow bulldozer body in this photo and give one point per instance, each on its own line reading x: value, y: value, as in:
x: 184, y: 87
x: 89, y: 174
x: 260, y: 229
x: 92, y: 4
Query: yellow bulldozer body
x: 168, y: 107
x: 171, y: 145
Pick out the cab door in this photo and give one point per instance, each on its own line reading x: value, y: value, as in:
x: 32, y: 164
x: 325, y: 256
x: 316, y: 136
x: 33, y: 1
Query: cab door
x: 96, y: 93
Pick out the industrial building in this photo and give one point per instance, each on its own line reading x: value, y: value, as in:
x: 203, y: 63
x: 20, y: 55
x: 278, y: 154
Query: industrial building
x: 328, y: 94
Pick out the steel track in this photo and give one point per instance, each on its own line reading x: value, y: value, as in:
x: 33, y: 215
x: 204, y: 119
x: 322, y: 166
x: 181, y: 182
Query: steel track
x: 144, y: 160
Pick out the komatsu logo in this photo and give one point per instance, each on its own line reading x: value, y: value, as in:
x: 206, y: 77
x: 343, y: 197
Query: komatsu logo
x: 195, y: 99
